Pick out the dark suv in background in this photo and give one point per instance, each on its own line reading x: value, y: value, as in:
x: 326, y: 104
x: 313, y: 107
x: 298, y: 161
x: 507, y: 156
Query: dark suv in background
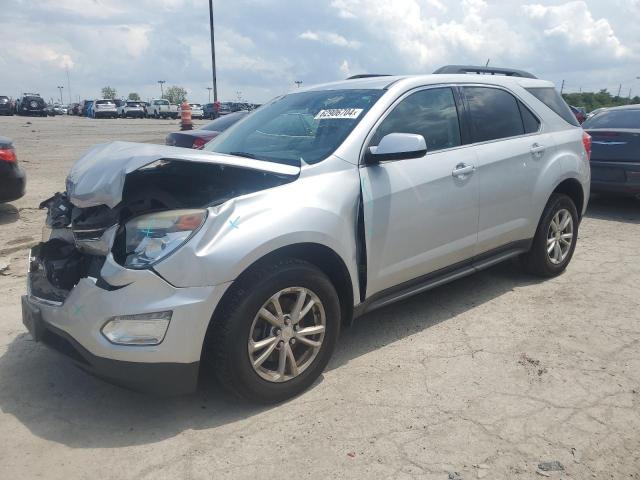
x: 6, y: 105
x: 31, y: 104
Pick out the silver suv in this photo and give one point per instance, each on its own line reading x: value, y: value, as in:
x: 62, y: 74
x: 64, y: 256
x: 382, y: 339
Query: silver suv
x: 320, y: 206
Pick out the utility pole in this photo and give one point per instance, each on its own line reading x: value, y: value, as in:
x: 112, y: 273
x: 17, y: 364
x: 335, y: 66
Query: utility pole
x: 209, y: 88
x: 487, y: 64
x: 619, y: 90
x: 213, y: 53
x: 629, y: 97
x: 60, y: 87
x: 298, y: 83
x: 162, y: 82
x: 68, y: 83
x: 562, y: 87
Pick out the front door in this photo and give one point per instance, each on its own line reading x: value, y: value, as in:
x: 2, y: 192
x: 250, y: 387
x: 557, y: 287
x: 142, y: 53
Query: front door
x: 420, y: 215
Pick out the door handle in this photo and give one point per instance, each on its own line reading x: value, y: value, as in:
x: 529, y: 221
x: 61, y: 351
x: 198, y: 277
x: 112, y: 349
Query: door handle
x: 463, y: 169
x: 537, y: 150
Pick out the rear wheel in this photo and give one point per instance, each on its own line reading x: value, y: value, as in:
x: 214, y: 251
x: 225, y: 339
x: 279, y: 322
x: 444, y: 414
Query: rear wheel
x: 555, y: 239
x: 276, y: 331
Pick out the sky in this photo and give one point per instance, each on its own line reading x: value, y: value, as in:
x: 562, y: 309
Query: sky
x: 264, y: 46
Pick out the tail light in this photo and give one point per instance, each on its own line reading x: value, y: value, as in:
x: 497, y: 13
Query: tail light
x: 198, y: 143
x: 8, y: 155
x: 586, y: 141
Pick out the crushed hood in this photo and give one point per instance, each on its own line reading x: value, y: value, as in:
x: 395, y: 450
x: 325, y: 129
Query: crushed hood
x: 98, y: 177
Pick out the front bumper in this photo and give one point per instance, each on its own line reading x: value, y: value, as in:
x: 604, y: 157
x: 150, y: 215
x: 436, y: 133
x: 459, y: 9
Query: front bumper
x: 73, y: 326
x: 615, y: 177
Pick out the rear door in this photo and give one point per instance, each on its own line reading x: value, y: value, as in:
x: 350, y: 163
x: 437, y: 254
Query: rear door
x: 420, y: 216
x: 511, y: 149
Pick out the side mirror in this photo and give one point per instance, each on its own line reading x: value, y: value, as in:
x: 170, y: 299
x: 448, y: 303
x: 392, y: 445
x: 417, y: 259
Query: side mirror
x: 397, y: 146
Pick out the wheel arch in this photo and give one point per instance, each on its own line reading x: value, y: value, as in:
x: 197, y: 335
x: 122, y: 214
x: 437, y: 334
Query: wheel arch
x: 319, y: 255
x: 573, y: 189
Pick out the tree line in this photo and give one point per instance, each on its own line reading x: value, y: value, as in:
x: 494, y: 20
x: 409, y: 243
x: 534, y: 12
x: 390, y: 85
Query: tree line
x: 592, y: 100
x: 175, y: 94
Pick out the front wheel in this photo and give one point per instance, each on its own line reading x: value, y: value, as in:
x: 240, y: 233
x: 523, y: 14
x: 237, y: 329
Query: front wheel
x: 276, y: 331
x: 555, y: 239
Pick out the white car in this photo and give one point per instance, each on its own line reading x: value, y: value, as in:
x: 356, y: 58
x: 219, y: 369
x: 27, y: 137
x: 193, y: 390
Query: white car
x: 196, y: 111
x: 131, y: 108
x: 103, y: 108
x: 161, y: 108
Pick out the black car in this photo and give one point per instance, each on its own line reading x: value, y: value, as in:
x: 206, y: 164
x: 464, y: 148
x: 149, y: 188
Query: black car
x: 199, y: 137
x: 6, y: 106
x: 31, y: 104
x: 615, y: 150
x: 12, y: 179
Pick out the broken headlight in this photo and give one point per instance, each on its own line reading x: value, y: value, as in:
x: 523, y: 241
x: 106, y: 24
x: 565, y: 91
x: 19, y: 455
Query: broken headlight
x: 150, y: 238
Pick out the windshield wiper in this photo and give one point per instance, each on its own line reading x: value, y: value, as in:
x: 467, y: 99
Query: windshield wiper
x: 243, y: 154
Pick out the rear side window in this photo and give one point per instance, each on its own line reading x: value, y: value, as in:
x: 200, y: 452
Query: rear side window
x: 431, y: 113
x: 614, y: 119
x: 494, y: 114
x: 530, y: 121
x: 552, y: 99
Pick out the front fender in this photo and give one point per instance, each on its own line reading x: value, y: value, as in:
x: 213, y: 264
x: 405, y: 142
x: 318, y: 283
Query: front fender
x: 318, y: 209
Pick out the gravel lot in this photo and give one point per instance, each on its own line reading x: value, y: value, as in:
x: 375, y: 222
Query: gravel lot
x: 487, y: 377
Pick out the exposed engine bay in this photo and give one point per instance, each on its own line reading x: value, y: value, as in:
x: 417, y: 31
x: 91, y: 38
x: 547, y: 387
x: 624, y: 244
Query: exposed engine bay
x: 79, y: 239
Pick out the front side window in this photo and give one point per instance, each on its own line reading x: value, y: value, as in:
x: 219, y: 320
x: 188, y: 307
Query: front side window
x: 431, y: 113
x: 305, y: 126
x: 494, y: 114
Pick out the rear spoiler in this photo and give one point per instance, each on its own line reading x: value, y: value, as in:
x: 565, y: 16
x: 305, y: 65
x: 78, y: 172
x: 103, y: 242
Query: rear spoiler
x: 463, y: 69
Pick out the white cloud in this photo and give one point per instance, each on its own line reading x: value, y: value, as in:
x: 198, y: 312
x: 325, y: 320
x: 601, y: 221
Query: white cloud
x: 330, y: 38
x: 573, y: 24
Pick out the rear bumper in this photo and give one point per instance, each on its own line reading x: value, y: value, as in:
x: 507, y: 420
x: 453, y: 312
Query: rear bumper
x: 12, y: 183
x: 615, y: 177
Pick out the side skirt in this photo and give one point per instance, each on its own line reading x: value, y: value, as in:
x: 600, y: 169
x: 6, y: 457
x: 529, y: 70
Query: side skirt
x: 442, y: 276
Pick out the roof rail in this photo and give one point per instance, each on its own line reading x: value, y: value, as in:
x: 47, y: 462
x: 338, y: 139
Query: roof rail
x: 368, y: 75
x: 509, y: 72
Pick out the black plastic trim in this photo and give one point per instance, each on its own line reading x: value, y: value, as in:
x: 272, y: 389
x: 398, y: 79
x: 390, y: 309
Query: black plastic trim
x: 442, y: 276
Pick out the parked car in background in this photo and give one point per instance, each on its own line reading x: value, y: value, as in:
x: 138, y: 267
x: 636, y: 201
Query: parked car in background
x: 118, y: 102
x: 104, y: 108
x: 579, y: 113
x: 12, y: 178
x: 131, y: 109
x: 615, y: 151
x: 86, y: 108
x: 6, y: 106
x: 196, y: 111
x: 31, y: 104
x: 327, y: 203
x: 200, y: 136
x: 161, y: 108
x: 595, y: 112
x: 73, y: 109
x: 209, y: 111
x: 56, y: 109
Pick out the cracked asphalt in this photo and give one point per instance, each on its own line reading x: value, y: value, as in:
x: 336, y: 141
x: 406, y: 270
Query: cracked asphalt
x: 498, y: 375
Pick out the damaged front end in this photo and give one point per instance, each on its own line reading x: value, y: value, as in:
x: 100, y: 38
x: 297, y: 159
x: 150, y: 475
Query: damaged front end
x: 133, y: 209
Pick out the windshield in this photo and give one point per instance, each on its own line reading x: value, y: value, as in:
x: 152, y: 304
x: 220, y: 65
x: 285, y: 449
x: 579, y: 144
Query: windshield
x: 222, y: 123
x: 195, y: 105
x: 162, y: 102
x: 104, y: 102
x: 305, y: 126
x: 133, y: 104
x: 614, y: 119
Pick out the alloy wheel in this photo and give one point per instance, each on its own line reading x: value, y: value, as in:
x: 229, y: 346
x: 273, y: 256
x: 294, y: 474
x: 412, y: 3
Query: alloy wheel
x: 560, y: 236
x: 286, y: 334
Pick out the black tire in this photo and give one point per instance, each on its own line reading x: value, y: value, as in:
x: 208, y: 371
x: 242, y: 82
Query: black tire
x: 537, y: 261
x: 226, y: 343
